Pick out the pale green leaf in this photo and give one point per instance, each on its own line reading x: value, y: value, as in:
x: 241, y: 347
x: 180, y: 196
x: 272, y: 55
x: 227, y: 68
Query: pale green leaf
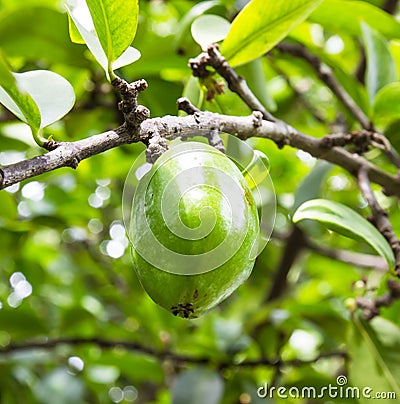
x: 15, y: 98
x: 105, y: 56
x: 374, y: 346
x: 208, y: 29
x: 81, y: 17
x: 115, y: 22
x: 343, y: 220
x: 129, y: 56
x: 381, y: 67
x: 345, y: 16
x: 260, y: 26
x: 41, y: 85
x: 183, y: 28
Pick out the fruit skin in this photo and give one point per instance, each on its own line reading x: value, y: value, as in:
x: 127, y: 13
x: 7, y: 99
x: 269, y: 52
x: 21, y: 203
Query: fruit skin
x: 187, y: 295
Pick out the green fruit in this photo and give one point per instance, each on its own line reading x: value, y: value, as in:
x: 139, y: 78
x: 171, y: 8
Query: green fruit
x: 194, y: 229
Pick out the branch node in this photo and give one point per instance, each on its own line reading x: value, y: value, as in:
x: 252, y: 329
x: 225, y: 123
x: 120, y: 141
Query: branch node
x: 134, y: 114
x: 199, y: 65
x: 157, y: 145
x: 51, y: 145
x: 185, y: 105
x: 257, y: 119
x: 74, y: 162
x: 215, y: 140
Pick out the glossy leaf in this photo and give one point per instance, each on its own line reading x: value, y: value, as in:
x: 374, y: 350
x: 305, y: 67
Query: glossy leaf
x: 260, y: 26
x: 41, y: 85
x: 16, y: 98
x: 115, y: 22
x: 375, y: 346
x: 343, y: 220
x: 208, y: 29
x: 387, y: 104
x: 310, y: 187
x: 183, y: 29
x: 346, y: 15
x: 84, y: 24
x: 194, y: 386
x: 74, y: 33
x: 381, y: 67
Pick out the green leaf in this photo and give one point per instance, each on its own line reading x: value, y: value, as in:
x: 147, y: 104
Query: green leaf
x: 115, y: 22
x: 193, y: 386
x: 259, y: 27
x: 17, y: 100
x: 387, y: 104
x: 208, y: 29
x: 375, y: 347
x: 183, y: 30
x: 310, y: 187
x: 41, y: 85
x: 74, y: 33
x: 347, y: 15
x: 92, y: 41
x: 343, y: 220
x: 381, y: 67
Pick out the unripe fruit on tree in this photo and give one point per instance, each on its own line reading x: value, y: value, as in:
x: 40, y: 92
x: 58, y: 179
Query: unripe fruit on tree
x: 194, y: 229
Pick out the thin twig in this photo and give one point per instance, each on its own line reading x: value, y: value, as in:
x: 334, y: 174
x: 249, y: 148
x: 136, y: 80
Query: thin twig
x: 371, y: 307
x: 349, y: 257
x: 159, y: 354
x: 293, y: 247
x: 325, y: 73
x: 379, y: 216
x: 236, y: 83
x: 301, y: 96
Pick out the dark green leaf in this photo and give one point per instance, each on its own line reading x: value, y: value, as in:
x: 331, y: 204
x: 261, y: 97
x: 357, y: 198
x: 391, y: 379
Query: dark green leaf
x: 381, y: 67
x: 345, y: 221
x: 259, y: 27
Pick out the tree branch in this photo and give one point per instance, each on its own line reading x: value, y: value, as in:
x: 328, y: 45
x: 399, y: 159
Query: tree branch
x: 349, y: 257
x: 294, y: 245
x: 236, y: 83
x: 160, y: 354
x: 379, y: 216
x: 326, y: 75
x: 371, y: 307
x: 200, y: 123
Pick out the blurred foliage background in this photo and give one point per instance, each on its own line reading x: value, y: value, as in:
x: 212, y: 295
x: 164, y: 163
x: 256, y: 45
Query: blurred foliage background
x: 65, y: 267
